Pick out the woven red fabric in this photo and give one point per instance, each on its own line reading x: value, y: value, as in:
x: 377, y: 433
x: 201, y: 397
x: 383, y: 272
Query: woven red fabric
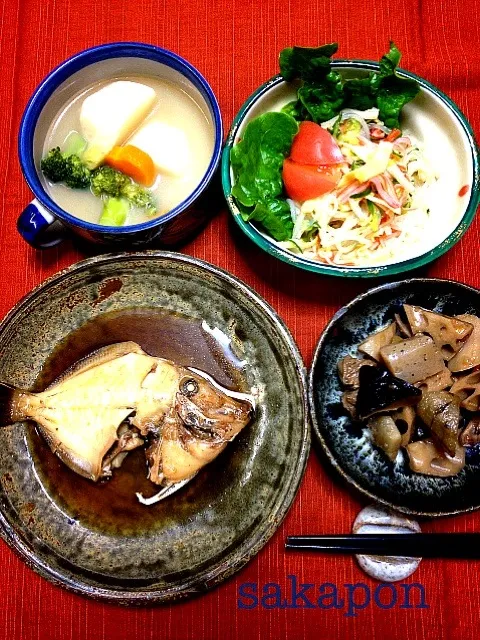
x: 235, y: 44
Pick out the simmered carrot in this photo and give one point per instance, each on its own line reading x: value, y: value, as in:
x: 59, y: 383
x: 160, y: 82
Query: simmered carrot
x: 133, y: 162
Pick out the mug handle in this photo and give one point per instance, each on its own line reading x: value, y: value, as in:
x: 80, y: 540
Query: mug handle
x: 39, y: 227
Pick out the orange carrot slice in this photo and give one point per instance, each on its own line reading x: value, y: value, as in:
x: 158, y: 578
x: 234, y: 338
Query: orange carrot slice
x: 133, y: 162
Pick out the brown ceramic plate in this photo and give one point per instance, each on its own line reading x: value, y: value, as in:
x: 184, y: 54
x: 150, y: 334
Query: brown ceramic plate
x: 97, y: 540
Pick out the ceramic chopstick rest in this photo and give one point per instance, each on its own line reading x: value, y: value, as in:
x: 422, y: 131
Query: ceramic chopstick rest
x: 380, y: 520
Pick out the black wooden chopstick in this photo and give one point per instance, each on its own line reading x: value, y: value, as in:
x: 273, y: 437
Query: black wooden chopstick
x: 414, y: 545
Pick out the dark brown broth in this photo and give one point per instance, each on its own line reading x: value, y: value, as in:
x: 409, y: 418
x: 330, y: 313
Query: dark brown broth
x: 112, y: 505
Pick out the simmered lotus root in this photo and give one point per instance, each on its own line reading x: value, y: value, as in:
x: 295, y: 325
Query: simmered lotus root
x: 448, y: 333
x: 471, y: 434
x: 467, y: 388
x: 413, y: 359
x: 372, y: 345
x: 410, y: 384
x: 403, y: 329
x: 348, y: 370
x: 438, y: 382
x: 426, y: 458
x: 469, y: 355
x: 404, y: 418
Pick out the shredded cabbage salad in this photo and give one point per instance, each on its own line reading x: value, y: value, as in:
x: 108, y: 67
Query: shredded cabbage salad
x: 378, y: 209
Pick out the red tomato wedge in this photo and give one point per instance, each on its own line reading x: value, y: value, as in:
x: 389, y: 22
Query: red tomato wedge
x: 315, y: 145
x: 305, y: 181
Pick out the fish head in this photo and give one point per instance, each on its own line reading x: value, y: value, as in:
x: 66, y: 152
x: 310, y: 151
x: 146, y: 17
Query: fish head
x: 209, y: 410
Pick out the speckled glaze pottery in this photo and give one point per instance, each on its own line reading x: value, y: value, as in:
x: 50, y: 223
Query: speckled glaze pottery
x: 208, y: 530
x: 449, y: 144
x: 345, y: 443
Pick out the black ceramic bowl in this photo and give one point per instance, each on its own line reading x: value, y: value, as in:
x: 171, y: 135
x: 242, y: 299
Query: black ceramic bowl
x: 344, y: 442
x: 97, y: 540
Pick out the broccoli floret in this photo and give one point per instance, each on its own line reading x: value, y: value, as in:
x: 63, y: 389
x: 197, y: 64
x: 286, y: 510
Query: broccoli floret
x: 54, y: 166
x: 140, y: 197
x: 77, y: 174
x: 59, y: 167
x: 110, y: 182
x: 115, y: 211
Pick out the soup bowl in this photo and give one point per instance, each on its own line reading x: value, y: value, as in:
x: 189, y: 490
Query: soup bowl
x: 448, y: 144
x: 44, y: 222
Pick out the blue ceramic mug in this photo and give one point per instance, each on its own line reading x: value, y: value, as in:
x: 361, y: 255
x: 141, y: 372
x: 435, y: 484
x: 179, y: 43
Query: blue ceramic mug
x: 43, y: 223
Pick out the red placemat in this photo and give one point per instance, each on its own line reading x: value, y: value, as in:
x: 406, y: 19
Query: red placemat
x: 235, y: 45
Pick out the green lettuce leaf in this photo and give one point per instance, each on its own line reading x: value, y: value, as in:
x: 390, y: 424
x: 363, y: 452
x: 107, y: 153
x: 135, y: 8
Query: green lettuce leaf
x: 307, y: 63
x: 296, y: 109
x: 393, y: 92
x: 275, y: 217
x: 257, y: 162
x: 323, y: 100
x: 323, y: 93
x: 257, y: 159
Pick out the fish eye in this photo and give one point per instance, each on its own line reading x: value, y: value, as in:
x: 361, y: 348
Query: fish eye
x: 189, y: 387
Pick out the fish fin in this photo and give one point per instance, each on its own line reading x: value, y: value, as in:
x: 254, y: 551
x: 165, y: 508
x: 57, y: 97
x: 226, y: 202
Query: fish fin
x: 9, y: 397
x: 96, y: 358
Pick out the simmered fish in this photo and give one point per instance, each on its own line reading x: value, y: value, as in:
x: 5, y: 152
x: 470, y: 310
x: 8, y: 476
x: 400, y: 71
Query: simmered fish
x: 120, y: 398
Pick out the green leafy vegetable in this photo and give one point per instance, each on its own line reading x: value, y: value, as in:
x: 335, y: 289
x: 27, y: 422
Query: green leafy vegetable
x: 393, y: 94
x: 324, y: 93
x: 257, y: 162
x: 323, y: 100
x: 296, y: 110
x: 359, y: 93
x: 275, y: 217
x: 258, y: 158
x: 306, y: 63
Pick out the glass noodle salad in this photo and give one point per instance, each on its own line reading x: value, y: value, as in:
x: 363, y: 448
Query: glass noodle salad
x: 332, y: 176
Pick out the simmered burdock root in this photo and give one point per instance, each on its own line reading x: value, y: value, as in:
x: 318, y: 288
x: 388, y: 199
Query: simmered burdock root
x: 386, y: 435
x: 380, y: 391
x: 448, y: 333
x: 440, y: 411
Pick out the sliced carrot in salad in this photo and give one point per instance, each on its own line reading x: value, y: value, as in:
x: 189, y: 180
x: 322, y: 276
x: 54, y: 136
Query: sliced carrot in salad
x: 134, y: 163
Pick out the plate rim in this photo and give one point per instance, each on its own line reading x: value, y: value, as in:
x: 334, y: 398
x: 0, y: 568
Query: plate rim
x: 240, y: 555
x: 271, y: 247
x: 317, y: 434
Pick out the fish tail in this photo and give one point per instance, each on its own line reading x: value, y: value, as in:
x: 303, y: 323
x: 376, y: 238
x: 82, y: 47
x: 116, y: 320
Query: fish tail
x: 9, y: 404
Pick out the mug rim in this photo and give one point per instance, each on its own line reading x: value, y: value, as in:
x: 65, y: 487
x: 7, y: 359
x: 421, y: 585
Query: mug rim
x: 85, y: 58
